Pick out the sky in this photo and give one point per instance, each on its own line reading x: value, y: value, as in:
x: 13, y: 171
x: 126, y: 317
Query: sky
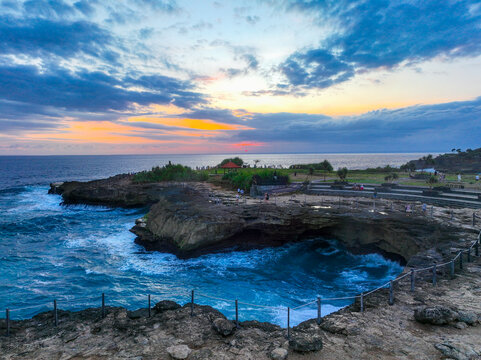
x: 258, y: 76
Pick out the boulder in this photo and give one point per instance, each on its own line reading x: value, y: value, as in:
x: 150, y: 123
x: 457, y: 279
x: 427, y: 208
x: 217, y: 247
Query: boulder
x: 468, y: 317
x: 279, y: 354
x: 457, y: 351
x: 306, y: 341
x: 179, y: 352
x: 223, y: 326
x: 166, y: 305
x: 137, y: 314
x: 435, y: 315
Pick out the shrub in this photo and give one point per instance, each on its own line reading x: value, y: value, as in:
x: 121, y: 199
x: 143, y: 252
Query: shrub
x: 342, y: 173
x: 170, y: 172
x: 245, y: 178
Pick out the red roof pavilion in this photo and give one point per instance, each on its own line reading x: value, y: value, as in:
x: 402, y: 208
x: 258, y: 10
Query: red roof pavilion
x: 230, y: 165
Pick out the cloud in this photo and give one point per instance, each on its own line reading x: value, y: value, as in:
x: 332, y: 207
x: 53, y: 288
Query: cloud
x: 252, y: 64
x: 415, y: 128
x: 88, y: 91
x: 39, y: 37
x: 368, y: 35
x: 48, y: 9
x: 252, y: 19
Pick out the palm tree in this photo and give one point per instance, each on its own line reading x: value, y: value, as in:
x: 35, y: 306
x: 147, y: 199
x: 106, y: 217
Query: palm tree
x: 256, y: 162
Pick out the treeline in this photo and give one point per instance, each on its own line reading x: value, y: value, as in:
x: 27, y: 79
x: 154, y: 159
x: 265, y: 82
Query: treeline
x: 322, y: 166
x: 247, y: 177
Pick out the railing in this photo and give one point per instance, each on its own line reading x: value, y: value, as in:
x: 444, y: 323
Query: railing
x: 318, y: 301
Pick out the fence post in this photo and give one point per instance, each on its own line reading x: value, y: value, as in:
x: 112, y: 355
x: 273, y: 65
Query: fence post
x: 469, y: 254
x: 362, y: 302
x: 318, y: 310
x: 412, y: 280
x: 391, y: 293
x: 288, y: 323
x: 8, y: 321
x: 452, y: 215
x: 474, y: 218
x: 461, y: 260
x: 476, y: 247
x: 55, y: 312
x: 150, y: 310
x: 192, y: 304
x: 434, y: 274
x: 236, y: 314
x: 103, y: 305
x: 452, y: 268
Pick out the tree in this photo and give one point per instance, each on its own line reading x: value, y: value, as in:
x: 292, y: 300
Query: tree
x: 391, y: 176
x: 342, y: 173
x: 256, y: 162
x: 431, y: 181
x: 325, y: 166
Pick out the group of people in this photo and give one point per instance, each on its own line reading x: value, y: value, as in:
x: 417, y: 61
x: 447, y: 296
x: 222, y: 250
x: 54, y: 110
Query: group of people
x: 240, y: 194
x: 358, y: 187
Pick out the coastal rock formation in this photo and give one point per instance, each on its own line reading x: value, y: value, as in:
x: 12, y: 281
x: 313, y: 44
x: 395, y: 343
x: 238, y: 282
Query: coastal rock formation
x: 188, y: 222
x: 196, y: 218
x: 115, y: 191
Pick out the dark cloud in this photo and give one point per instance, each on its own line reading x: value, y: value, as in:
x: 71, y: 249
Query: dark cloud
x: 90, y: 91
x: 39, y: 37
x: 219, y: 115
x: 382, y: 33
x: 85, y: 7
x: 419, y: 128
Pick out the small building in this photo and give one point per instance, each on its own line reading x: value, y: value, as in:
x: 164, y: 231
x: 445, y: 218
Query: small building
x: 230, y: 165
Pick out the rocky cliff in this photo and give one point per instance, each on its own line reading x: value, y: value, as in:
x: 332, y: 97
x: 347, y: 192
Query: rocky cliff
x: 195, y: 218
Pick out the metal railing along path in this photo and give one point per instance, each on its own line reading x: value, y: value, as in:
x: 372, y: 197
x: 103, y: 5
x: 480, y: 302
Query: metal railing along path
x: 318, y: 301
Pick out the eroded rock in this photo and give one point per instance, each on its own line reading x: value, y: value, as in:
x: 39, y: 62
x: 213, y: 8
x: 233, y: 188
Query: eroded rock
x: 435, y: 315
x: 179, y: 352
x: 166, y: 305
x: 457, y: 351
x: 223, y: 326
x: 279, y: 354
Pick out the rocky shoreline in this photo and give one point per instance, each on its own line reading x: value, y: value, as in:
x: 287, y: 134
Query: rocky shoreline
x: 433, y: 322
x: 190, y: 219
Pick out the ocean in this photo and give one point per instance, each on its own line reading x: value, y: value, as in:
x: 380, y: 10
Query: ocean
x: 74, y: 253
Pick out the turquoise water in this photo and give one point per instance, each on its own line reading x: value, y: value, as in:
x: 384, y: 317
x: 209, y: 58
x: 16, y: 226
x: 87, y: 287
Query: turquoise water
x: 74, y: 253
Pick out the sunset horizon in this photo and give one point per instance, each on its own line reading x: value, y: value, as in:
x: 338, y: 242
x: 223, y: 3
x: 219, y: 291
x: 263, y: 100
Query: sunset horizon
x: 140, y: 77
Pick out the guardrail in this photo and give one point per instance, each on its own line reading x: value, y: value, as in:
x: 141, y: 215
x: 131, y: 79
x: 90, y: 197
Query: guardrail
x: 318, y: 301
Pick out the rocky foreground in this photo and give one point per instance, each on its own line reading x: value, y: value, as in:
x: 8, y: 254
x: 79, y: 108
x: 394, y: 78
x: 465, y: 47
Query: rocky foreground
x: 434, y: 322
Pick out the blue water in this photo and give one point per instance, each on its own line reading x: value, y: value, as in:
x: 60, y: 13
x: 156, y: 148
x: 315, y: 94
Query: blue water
x: 75, y: 253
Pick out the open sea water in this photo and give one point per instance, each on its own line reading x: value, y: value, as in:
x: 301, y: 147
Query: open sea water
x: 74, y: 253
